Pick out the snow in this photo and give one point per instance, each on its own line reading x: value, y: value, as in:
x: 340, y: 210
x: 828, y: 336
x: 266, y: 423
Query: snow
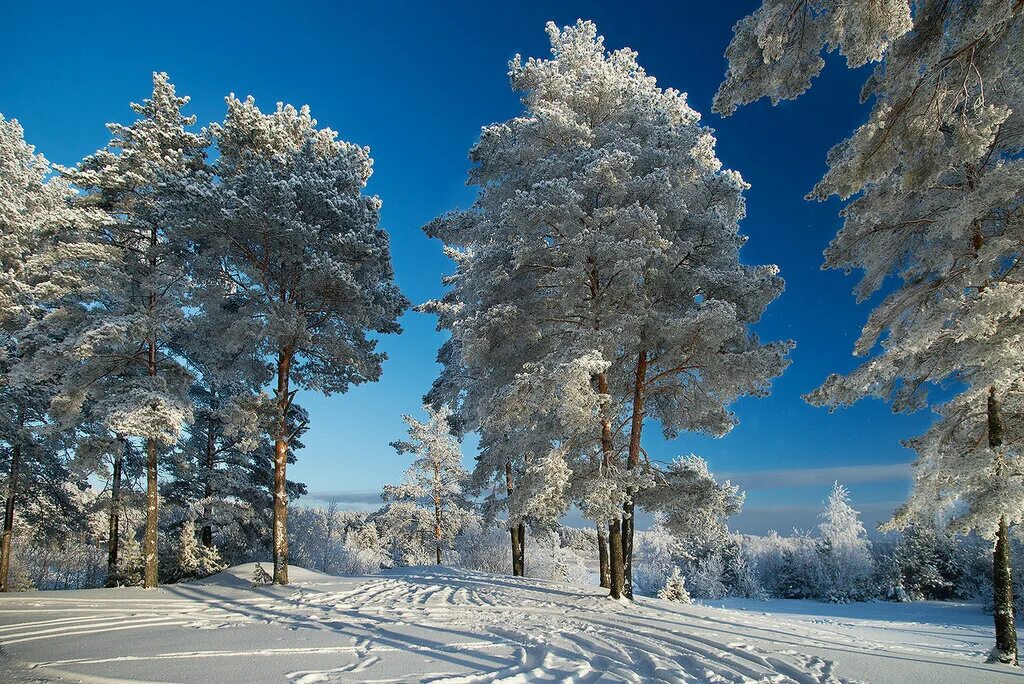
x: 445, y: 625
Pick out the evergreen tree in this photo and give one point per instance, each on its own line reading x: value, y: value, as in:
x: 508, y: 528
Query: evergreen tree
x: 118, y: 355
x: 605, y: 233
x: 939, y: 183
x: 675, y: 588
x: 283, y: 222
x: 37, y: 225
x: 845, y: 554
x: 436, y: 475
x: 130, y: 567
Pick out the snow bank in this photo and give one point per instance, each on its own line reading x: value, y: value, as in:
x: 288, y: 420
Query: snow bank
x: 241, y: 576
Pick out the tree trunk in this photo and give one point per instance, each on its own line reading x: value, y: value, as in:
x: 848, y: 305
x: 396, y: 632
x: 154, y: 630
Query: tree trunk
x: 1002, y: 595
x: 517, y: 531
x: 211, y: 445
x: 151, y: 575
x: 114, y: 529
x: 629, y: 507
x: 8, y: 533
x: 614, y: 527
x: 151, y: 578
x: 437, y: 512
x: 1003, y: 612
x: 615, y: 568
x: 522, y: 548
x: 602, y: 555
x: 284, y: 360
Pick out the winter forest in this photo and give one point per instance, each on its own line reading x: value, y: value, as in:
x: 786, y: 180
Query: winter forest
x: 169, y: 302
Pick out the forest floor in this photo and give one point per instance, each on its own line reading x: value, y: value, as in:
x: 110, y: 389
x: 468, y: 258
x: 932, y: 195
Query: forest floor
x: 455, y: 626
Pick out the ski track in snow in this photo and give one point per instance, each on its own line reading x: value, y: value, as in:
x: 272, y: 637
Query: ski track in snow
x: 527, y: 630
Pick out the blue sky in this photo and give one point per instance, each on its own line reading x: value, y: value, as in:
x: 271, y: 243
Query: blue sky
x: 416, y: 82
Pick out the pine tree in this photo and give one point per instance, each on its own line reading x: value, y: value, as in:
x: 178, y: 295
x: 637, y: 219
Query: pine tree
x: 675, y: 588
x: 37, y: 225
x: 117, y: 355
x: 605, y: 233
x: 283, y: 222
x: 844, y: 550
x: 188, y: 559
x: 436, y: 475
x: 939, y: 183
x: 130, y: 567
x: 206, y: 468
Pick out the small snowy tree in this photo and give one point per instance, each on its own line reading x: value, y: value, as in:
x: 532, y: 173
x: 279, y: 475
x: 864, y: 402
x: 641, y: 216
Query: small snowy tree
x: 675, y: 588
x: 436, y: 477
x: 188, y: 559
x: 845, y: 552
x: 130, y: 566
x: 193, y: 559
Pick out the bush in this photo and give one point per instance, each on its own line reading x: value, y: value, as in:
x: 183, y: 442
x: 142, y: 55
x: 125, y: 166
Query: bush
x: 675, y: 588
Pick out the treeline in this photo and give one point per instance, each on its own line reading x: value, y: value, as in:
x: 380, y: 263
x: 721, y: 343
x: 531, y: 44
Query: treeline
x: 161, y: 304
x: 835, y: 562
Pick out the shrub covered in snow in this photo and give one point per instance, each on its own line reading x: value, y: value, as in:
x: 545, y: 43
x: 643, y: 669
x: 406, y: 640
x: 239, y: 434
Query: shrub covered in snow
x: 485, y: 548
x: 675, y: 588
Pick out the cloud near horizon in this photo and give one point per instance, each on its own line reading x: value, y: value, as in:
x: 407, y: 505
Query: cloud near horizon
x: 814, y: 477
x: 754, y: 519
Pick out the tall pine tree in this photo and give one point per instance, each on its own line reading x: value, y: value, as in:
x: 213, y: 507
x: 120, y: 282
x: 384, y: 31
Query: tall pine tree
x: 284, y: 218
x: 939, y: 183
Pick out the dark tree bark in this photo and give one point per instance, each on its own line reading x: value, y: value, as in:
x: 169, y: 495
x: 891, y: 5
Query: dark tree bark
x: 615, y: 565
x: 151, y: 575
x: 1002, y: 576
x: 519, y: 549
x: 8, y: 533
x: 114, y: 528
x: 284, y: 360
x: 1002, y: 595
x: 211, y: 444
x: 151, y: 578
x: 615, y: 526
x: 629, y: 507
x: 517, y: 531
x: 602, y: 555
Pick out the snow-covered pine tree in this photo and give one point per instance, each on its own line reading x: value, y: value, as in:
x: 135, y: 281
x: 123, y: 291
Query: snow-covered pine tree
x: 116, y: 352
x: 284, y: 217
x: 844, y: 550
x: 605, y: 233
x: 675, y: 588
x: 117, y: 461
x: 194, y: 560
x: 436, y: 478
x: 130, y: 567
x: 187, y: 559
x: 940, y: 181
x: 36, y: 225
x: 205, y: 467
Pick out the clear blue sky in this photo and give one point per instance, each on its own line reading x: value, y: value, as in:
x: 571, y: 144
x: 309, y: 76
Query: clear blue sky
x: 416, y: 82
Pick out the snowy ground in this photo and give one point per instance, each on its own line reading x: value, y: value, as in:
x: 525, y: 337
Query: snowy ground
x: 441, y: 625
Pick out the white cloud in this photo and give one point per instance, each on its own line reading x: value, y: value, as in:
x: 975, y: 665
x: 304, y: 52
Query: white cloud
x: 813, y: 477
